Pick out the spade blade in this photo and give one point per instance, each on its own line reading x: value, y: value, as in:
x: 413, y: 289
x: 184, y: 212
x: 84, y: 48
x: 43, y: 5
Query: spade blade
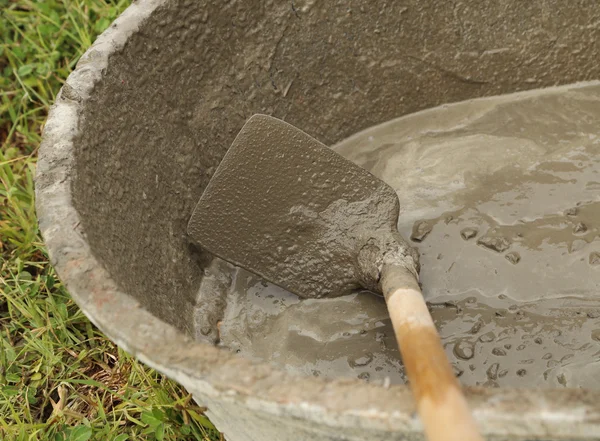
x: 286, y: 207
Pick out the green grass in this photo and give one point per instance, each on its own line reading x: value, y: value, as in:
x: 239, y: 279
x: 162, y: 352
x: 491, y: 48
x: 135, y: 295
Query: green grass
x: 60, y: 378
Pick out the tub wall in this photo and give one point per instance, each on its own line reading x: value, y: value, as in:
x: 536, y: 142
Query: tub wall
x: 172, y: 100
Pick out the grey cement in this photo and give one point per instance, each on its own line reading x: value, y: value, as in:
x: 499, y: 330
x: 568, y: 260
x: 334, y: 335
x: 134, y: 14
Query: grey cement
x: 501, y: 196
x: 140, y: 125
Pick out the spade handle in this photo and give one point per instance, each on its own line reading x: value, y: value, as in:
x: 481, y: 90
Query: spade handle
x: 440, y: 402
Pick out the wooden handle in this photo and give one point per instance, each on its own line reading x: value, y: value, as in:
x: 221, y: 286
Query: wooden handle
x: 441, y: 404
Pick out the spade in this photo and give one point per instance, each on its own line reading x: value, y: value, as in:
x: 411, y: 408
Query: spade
x: 288, y: 208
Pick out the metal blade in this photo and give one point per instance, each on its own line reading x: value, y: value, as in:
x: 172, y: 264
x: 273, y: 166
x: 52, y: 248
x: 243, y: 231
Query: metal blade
x: 286, y: 207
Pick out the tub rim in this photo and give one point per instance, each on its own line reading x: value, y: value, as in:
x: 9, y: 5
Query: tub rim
x: 350, y: 403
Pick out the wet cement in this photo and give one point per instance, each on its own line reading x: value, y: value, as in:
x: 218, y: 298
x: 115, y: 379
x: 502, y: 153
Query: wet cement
x: 501, y: 196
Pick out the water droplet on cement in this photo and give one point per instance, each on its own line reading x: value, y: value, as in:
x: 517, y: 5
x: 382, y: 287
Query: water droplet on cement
x: 579, y: 228
x: 499, y: 352
x: 492, y: 372
x: 494, y: 243
x: 513, y: 257
x: 464, y: 350
x: 364, y: 376
x: 420, y: 231
x: 487, y: 338
x: 468, y: 233
x: 361, y: 361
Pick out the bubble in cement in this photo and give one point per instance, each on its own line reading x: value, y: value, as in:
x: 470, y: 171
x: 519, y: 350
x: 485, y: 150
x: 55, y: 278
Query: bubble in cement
x: 579, y: 228
x: 468, y: 233
x: 522, y: 372
x: 420, y: 231
x: 594, y: 258
x: 494, y: 243
x: 513, y: 257
x: 361, y: 361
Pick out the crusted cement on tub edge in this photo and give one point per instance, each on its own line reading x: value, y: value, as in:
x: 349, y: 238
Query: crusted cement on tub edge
x: 335, y: 409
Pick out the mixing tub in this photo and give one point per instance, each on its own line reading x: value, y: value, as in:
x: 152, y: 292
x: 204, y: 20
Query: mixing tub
x: 141, y: 124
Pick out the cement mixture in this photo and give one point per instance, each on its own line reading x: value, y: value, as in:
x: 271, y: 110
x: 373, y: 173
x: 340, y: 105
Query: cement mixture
x: 502, y: 197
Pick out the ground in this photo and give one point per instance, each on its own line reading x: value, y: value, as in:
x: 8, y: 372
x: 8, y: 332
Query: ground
x: 60, y: 378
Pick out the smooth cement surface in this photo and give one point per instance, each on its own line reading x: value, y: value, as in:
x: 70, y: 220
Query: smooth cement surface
x: 502, y: 198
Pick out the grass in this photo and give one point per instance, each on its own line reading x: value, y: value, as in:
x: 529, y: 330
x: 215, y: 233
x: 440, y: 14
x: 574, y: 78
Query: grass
x: 60, y: 378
